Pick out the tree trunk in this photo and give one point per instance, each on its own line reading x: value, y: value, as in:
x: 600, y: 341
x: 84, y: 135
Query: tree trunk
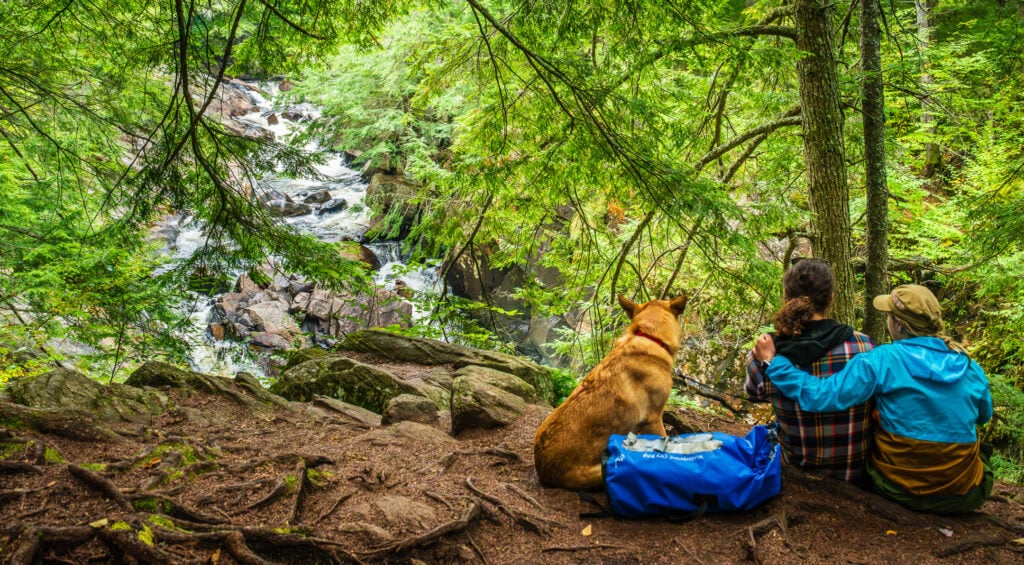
x: 873, y: 103
x: 823, y: 146
x: 932, y: 155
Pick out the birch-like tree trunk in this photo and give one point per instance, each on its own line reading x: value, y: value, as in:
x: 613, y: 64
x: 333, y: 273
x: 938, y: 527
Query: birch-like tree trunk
x: 932, y: 155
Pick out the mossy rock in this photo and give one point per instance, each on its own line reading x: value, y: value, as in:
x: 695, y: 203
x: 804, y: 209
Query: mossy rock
x: 342, y: 378
x: 394, y: 347
x: 300, y: 356
x: 64, y: 389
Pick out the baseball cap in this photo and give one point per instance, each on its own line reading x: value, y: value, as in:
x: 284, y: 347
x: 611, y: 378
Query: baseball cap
x: 915, y: 305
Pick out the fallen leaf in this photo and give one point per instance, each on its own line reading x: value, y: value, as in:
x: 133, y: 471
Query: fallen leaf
x: 99, y: 523
x: 946, y: 532
x: 215, y: 557
x: 890, y: 532
x: 1018, y: 541
x: 588, y: 530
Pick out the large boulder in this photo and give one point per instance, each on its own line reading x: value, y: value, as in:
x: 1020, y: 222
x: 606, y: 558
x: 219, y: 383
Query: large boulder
x: 64, y: 389
x: 392, y: 195
x: 477, y: 402
x: 432, y: 352
x: 337, y: 313
x: 344, y: 379
x: 272, y: 317
x: 243, y: 389
x: 500, y: 379
x: 410, y: 408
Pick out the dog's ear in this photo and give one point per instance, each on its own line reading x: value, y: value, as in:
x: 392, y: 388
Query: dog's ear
x: 678, y: 304
x: 627, y: 305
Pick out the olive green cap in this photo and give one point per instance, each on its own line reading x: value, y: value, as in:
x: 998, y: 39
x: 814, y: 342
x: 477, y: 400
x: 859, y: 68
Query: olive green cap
x: 914, y: 305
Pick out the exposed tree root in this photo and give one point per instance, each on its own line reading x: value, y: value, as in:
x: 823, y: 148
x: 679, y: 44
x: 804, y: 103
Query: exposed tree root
x: 448, y: 460
x: 101, y: 484
x: 234, y: 542
x: 128, y: 543
x: 73, y: 424
x: 878, y: 505
x: 14, y: 467
x: 1002, y: 523
x: 33, y: 539
x: 337, y: 503
x: 453, y: 526
x: 764, y: 526
x: 557, y: 548
x: 12, y: 494
x: 171, y: 507
x: 969, y: 544
x: 311, y: 461
x: 283, y: 487
x: 439, y: 498
x: 532, y: 522
x: 35, y: 450
x: 476, y: 548
x: 303, y: 483
x: 526, y: 497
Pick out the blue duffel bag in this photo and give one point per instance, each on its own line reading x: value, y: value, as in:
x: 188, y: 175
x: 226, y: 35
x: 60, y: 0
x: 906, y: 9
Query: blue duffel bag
x: 689, y: 474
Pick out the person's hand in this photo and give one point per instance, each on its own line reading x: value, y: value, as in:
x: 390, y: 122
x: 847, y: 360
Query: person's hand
x: 764, y: 348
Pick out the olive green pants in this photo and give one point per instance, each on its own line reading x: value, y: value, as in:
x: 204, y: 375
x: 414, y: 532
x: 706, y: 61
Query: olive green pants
x: 935, y: 504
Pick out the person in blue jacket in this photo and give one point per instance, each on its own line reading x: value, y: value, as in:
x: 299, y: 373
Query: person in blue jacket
x: 930, y: 397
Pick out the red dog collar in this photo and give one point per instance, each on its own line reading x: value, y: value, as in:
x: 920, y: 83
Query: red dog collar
x: 640, y: 333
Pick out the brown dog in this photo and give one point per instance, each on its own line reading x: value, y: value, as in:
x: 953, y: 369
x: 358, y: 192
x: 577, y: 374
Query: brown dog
x: 625, y: 393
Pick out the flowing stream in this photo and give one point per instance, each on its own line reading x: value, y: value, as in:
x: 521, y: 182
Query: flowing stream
x: 342, y: 217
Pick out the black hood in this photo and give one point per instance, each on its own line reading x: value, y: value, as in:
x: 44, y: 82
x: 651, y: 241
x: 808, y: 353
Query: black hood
x: 817, y: 339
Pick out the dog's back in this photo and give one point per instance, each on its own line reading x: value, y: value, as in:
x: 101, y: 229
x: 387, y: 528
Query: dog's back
x: 626, y: 392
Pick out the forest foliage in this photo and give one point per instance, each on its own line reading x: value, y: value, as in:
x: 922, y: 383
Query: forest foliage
x: 649, y: 148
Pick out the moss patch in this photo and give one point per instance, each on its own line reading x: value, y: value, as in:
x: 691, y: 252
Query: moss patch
x: 166, y: 523
x: 8, y: 449
x: 318, y: 478
x: 53, y: 456
x: 146, y: 535
x: 153, y: 505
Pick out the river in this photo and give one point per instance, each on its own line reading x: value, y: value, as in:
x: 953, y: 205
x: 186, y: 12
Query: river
x: 328, y: 221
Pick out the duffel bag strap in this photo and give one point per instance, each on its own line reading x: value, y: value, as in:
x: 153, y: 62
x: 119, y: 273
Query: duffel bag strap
x: 601, y: 511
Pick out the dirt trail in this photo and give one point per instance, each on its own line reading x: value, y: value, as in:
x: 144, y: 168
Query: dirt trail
x: 213, y: 481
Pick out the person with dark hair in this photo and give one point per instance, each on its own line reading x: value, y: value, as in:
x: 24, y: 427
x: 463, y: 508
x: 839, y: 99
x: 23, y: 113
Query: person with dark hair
x: 835, y: 442
x: 931, y: 398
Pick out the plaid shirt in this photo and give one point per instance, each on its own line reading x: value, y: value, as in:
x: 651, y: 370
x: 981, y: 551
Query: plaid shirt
x: 837, y: 442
